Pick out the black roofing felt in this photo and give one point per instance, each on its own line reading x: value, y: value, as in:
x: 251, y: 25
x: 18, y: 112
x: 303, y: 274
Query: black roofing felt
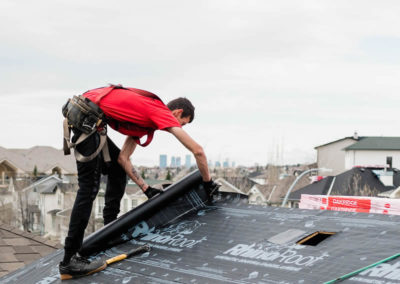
x: 354, y: 182
x: 230, y: 241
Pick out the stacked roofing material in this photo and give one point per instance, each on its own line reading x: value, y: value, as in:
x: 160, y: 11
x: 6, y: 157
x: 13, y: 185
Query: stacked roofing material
x: 351, y: 204
x: 230, y: 241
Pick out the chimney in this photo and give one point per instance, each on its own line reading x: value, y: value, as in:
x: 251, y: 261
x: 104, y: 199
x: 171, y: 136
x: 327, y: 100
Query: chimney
x: 355, y: 136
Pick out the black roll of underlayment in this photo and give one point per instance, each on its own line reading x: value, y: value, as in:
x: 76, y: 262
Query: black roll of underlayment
x: 99, y: 239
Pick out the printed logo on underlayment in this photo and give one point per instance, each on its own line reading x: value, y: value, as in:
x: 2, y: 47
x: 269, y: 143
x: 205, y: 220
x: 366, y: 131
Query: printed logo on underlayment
x: 175, y: 236
x: 272, y: 255
x: 384, y: 273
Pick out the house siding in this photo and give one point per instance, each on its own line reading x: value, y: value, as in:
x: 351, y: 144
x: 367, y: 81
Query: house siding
x: 332, y: 156
x: 370, y: 157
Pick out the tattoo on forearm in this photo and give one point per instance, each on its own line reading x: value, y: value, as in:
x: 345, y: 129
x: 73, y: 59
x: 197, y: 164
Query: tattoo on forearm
x: 139, y: 180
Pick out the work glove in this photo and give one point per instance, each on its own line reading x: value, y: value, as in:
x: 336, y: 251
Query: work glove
x: 211, y: 188
x: 151, y: 191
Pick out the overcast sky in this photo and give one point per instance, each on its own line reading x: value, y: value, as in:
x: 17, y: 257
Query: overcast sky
x: 270, y: 79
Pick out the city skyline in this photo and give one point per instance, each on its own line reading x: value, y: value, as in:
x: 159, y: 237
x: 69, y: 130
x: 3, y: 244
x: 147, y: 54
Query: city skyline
x: 176, y: 161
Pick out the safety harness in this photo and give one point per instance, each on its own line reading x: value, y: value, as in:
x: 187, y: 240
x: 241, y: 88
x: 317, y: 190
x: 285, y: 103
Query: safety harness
x: 86, y: 116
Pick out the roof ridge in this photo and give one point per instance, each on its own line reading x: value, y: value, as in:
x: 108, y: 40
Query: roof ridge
x: 29, y: 236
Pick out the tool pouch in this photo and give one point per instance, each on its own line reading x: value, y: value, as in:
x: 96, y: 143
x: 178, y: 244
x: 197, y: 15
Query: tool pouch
x: 82, y: 114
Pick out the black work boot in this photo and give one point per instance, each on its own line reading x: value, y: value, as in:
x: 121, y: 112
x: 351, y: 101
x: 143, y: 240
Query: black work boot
x: 80, y: 266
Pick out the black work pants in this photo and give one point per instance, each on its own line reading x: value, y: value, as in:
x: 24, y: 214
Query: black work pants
x: 89, y: 181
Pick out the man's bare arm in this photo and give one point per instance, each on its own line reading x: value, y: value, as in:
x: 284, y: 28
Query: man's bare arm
x: 193, y: 147
x: 123, y: 159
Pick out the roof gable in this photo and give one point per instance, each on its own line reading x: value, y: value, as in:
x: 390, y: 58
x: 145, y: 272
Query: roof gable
x: 339, y: 140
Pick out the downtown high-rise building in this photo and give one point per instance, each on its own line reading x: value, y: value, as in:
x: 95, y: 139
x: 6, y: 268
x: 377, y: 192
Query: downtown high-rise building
x: 163, y: 161
x: 178, y: 161
x: 188, y: 161
x: 173, y: 162
x: 225, y: 164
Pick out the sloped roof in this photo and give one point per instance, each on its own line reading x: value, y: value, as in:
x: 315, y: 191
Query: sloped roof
x: 376, y: 143
x: 225, y: 186
x: 44, y: 185
x: 244, y: 183
x: 44, y: 158
x: 354, y: 182
x: 229, y: 241
x: 19, y: 248
x: 345, y: 138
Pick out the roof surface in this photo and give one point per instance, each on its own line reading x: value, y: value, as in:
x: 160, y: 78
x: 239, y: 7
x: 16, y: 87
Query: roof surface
x: 229, y: 241
x: 19, y: 248
x: 376, y: 143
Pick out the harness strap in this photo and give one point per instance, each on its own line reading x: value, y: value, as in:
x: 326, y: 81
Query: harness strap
x: 103, y: 146
x: 103, y: 141
x: 66, y: 139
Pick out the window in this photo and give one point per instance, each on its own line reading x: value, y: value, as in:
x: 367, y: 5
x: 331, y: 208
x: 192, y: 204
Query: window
x: 134, y: 203
x: 315, y: 238
x: 389, y: 162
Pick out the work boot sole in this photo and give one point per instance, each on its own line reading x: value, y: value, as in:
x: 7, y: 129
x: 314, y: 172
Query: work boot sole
x: 69, y: 276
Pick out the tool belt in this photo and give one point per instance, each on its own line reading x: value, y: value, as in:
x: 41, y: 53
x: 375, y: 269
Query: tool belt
x: 86, y: 116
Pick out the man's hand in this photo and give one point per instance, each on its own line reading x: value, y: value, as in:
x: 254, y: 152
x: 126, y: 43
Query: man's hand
x: 211, y: 188
x: 151, y: 191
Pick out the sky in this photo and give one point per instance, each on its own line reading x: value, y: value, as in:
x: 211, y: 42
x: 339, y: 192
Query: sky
x: 270, y: 80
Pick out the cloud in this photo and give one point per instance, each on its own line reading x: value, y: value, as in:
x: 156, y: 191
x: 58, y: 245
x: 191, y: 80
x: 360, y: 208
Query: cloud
x: 306, y: 72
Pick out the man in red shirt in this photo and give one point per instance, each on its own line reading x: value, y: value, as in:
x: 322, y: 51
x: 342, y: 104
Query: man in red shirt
x: 135, y: 113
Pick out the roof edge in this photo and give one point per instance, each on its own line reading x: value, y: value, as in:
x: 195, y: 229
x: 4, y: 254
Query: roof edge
x: 349, y: 137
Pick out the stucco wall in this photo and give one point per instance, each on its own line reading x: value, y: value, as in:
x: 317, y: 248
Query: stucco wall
x: 332, y: 156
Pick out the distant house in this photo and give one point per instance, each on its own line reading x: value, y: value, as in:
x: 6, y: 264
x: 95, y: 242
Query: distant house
x: 354, y: 182
x: 273, y: 193
x: 42, y: 159
x: 259, y: 177
x: 345, y: 153
x: 42, y: 201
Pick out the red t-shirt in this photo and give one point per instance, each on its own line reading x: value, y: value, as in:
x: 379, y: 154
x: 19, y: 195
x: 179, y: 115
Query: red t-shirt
x: 133, y: 112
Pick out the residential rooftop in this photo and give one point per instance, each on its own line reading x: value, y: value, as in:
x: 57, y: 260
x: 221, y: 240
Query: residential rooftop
x: 230, y: 241
x: 19, y: 248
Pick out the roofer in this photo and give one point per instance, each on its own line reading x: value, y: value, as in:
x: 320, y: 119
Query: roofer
x: 132, y: 112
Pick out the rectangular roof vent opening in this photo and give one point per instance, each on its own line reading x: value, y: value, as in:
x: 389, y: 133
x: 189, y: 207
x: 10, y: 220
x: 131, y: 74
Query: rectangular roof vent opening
x: 315, y: 238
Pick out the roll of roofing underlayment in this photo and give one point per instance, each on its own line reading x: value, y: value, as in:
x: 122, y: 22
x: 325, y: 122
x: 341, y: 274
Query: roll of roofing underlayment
x: 113, y: 232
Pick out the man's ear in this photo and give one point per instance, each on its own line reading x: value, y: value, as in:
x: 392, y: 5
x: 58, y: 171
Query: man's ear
x: 177, y: 112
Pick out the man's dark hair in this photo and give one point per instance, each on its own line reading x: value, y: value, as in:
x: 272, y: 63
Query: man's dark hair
x: 185, y: 104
